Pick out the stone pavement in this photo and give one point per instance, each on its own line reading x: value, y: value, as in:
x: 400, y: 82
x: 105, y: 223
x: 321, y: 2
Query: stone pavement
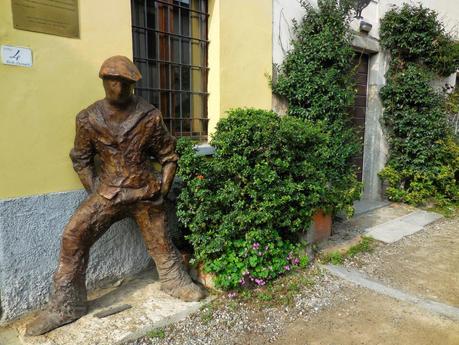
x: 400, y: 227
x: 151, y: 308
x: 405, y: 293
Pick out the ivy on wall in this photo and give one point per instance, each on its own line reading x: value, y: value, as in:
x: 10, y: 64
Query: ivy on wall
x: 415, y: 34
x: 423, y: 164
x: 316, y: 79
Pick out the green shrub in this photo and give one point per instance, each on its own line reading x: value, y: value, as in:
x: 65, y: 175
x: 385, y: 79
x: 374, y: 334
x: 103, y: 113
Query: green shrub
x: 414, y: 33
x: 245, y: 204
x: 423, y: 164
x: 452, y: 110
x: 316, y: 78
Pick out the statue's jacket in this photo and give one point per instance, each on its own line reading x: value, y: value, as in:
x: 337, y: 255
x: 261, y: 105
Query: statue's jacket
x: 125, y: 151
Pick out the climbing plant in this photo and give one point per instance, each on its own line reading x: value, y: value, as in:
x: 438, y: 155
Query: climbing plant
x: 316, y: 79
x: 423, y: 164
x: 414, y: 33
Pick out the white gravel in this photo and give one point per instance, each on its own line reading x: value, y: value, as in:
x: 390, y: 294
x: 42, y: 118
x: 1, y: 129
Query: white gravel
x: 230, y: 322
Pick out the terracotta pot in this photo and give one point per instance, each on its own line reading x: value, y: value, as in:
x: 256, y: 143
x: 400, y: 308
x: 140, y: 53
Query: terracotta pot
x: 320, y: 228
x: 206, y: 279
x: 197, y: 272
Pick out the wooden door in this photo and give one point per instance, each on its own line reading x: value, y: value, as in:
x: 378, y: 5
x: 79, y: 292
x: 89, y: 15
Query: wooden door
x: 360, y: 105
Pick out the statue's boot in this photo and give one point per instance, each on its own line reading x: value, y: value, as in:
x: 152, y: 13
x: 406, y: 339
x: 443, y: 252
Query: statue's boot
x: 175, y: 280
x: 173, y: 276
x: 190, y: 292
x: 48, y: 320
x: 67, y: 304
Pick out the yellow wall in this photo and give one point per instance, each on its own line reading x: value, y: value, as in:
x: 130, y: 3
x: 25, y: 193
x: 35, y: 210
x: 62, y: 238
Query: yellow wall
x: 240, y: 56
x: 38, y: 104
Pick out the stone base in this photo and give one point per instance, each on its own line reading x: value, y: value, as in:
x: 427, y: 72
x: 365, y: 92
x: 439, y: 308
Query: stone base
x: 151, y: 308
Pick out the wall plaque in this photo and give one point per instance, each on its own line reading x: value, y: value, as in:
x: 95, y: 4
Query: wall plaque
x: 55, y: 17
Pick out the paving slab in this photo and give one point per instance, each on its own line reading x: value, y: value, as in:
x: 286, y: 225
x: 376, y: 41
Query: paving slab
x: 346, y: 230
x: 363, y: 206
x: 392, y: 231
x: 151, y: 308
x: 421, y: 217
x: 360, y: 279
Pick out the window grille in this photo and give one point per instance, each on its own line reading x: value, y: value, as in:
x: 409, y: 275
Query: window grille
x: 170, y: 50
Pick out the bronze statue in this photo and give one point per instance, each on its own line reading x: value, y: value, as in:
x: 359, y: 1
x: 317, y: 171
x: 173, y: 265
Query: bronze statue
x: 124, y: 131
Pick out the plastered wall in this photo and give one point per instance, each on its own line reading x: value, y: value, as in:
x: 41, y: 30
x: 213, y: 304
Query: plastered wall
x: 38, y: 105
x: 240, y: 56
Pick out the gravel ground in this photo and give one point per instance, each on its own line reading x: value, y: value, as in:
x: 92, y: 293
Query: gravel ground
x: 251, y: 320
x: 256, y: 321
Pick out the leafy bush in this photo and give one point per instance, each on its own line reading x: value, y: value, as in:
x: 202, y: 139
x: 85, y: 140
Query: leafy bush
x: 452, y: 109
x: 316, y: 78
x: 414, y: 33
x: 245, y: 204
x: 424, y: 159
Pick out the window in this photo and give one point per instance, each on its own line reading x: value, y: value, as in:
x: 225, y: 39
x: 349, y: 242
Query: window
x: 170, y: 50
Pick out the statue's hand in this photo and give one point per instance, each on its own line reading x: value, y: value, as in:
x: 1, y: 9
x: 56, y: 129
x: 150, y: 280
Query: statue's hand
x: 164, y: 190
x: 158, y: 201
x: 168, y: 173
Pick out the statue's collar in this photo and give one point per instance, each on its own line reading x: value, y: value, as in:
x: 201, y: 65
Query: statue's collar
x: 98, y: 119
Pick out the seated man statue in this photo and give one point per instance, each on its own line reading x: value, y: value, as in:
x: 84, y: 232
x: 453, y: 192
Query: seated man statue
x: 124, y: 131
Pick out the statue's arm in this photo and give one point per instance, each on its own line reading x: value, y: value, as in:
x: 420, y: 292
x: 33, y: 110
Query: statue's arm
x: 163, y: 148
x: 82, y: 154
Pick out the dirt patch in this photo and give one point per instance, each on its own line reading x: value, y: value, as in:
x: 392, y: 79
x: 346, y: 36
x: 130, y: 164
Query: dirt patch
x: 359, y: 316
x: 425, y: 264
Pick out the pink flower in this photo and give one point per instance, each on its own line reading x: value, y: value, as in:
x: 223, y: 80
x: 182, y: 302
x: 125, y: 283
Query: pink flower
x: 287, y: 268
x: 232, y: 294
x: 260, y: 282
x: 256, y: 245
x: 295, y: 261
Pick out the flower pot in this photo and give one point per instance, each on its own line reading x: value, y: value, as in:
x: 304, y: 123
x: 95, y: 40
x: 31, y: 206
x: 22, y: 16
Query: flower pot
x: 197, y: 272
x: 320, y: 228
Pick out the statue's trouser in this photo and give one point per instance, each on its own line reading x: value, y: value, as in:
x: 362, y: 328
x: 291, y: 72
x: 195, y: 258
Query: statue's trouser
x: 89, y: 223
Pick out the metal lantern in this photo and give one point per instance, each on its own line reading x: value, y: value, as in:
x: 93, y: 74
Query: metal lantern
x: 359, y: 7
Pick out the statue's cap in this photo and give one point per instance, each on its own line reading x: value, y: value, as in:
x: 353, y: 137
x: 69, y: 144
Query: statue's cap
x: 120, y: 66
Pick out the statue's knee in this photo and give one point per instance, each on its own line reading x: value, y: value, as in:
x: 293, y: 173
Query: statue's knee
x: 75, y: 236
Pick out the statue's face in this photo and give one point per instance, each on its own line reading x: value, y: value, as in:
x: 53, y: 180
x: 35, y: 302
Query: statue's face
x: 118, y: 90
